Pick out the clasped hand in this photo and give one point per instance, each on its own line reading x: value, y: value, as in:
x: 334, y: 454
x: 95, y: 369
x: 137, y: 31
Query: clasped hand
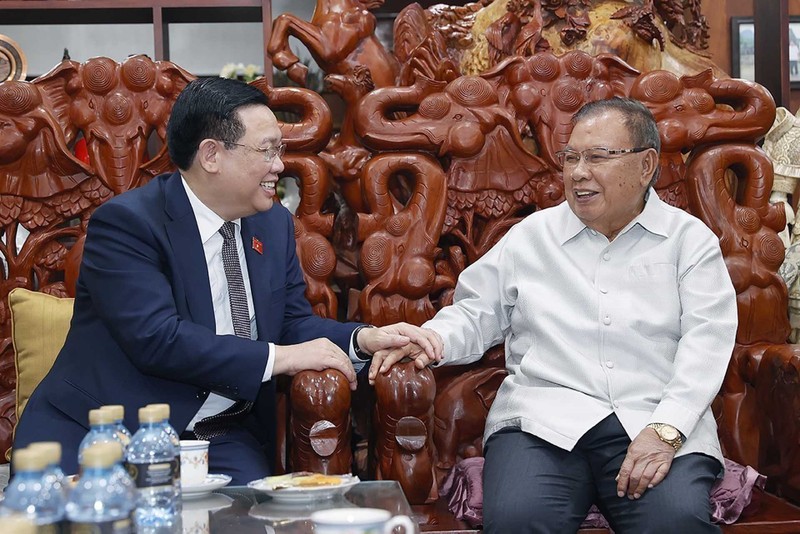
x: 424, y: 352
x: 320, y: 354
x: 645, y: 466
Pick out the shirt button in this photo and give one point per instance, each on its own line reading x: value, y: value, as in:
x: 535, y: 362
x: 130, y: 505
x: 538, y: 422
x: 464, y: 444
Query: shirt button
x: 607, y: 320
x: 606, y: 256
x: 609, y: 364
x: 603, y: 290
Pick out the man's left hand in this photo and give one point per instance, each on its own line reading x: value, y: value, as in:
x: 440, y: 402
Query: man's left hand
x: 645, y: 466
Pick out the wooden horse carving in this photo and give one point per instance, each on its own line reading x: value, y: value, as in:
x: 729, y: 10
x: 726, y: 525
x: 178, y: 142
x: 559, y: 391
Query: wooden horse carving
x: 340, y: 36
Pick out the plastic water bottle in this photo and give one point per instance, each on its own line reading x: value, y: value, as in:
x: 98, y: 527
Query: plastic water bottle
x: 53, y: 479
x: 102, y: 429
x: 117, y: 411
x: 25, y: 492
x: 119, y: 473
x: 98, y: 503
x: 151, y: 464
x: 164, y: 412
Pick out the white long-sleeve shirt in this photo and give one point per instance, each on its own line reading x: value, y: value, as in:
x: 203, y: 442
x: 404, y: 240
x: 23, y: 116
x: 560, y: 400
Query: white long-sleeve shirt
x: 643, y: 326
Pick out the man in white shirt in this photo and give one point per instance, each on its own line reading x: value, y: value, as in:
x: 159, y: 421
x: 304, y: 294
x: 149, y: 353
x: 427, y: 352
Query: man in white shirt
x: 618, y: 318
x: 165, y: 313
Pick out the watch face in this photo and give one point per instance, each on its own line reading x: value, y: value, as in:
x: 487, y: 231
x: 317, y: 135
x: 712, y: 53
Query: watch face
x: 669, y: 433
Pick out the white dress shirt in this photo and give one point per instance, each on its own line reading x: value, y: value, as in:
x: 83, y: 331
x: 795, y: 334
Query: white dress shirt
x: 209, y: 223
x: 642, y: 326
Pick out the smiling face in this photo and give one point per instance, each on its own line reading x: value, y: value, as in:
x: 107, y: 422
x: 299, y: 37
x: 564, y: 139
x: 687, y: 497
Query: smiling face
x: 244, y: 182
x: 607, y: 195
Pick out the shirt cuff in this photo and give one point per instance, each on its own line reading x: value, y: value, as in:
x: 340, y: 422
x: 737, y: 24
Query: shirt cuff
x: 270, y: 363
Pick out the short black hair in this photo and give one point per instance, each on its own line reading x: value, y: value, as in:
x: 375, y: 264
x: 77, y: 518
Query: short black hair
x: 636, y: 117
x: 207, y: 109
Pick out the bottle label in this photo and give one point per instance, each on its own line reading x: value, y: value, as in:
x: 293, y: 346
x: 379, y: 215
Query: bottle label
x: 118, y: 526
x: 149, y: 475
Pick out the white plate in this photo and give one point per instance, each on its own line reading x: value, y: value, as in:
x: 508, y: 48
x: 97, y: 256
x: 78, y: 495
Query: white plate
x: 299, y: 494
x: 211, y: 483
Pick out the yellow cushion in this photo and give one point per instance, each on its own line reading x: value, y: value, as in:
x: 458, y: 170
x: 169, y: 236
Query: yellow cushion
x: 39, y: 326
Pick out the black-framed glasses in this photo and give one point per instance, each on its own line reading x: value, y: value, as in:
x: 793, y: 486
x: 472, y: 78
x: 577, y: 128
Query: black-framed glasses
x: 270, y: 153
x: 594, y: 156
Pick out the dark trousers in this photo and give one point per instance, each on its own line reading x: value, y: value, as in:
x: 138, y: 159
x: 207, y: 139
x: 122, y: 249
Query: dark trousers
x: 238, y: 454
x: 530, y: 485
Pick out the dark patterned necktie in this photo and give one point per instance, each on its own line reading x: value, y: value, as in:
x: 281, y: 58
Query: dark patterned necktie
x: 218, y: 425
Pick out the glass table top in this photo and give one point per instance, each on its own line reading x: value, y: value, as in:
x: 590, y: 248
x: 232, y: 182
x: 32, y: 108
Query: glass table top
x: 239, y: 509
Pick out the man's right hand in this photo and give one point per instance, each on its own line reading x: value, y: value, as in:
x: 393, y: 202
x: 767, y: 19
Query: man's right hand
x: 315, y: 355
x: 383, y: 360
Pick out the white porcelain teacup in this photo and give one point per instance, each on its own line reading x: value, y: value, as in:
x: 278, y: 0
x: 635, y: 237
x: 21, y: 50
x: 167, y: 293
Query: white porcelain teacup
x: 359, y: 521
x: 194, y: 462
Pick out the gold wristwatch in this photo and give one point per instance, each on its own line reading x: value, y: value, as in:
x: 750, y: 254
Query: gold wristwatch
x: 668, y: 434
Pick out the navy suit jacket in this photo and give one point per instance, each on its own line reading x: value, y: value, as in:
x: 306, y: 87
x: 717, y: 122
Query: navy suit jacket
x: 143, y: 328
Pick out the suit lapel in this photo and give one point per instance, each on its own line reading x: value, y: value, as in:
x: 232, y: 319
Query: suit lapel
x: 258, y: 268
x: 188, y: 252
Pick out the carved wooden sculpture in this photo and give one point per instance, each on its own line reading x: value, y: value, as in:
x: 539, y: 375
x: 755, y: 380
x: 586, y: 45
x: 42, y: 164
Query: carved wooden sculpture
x: 340, y: 36
x: 48, y: 193
x: 478, y: 125
x: 479, y: 92
x: 693, y: 110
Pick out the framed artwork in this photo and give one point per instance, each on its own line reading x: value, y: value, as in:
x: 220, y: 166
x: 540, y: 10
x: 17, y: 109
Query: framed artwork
x: 743, y: 49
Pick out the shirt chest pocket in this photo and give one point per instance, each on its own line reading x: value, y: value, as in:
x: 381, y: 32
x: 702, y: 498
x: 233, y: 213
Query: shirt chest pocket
x: 654, y: 298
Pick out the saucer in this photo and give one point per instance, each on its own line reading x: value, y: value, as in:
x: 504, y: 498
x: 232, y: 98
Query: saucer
x: 211, y: 483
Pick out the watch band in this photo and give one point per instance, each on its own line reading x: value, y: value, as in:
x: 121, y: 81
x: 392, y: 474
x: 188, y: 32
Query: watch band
x: 360, y: 354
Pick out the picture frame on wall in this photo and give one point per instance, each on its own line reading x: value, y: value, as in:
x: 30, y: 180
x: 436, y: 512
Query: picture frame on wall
x: 743, y: 49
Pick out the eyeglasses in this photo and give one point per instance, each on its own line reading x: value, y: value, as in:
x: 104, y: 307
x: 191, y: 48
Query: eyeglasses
x: 594, y: 156
x: 270, y: 153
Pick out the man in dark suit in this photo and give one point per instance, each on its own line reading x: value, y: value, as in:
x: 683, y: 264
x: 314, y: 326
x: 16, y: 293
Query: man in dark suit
x: 157, y: 316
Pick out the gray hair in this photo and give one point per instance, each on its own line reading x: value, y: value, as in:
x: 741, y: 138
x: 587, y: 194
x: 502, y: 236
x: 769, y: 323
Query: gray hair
x: 635, y: 117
